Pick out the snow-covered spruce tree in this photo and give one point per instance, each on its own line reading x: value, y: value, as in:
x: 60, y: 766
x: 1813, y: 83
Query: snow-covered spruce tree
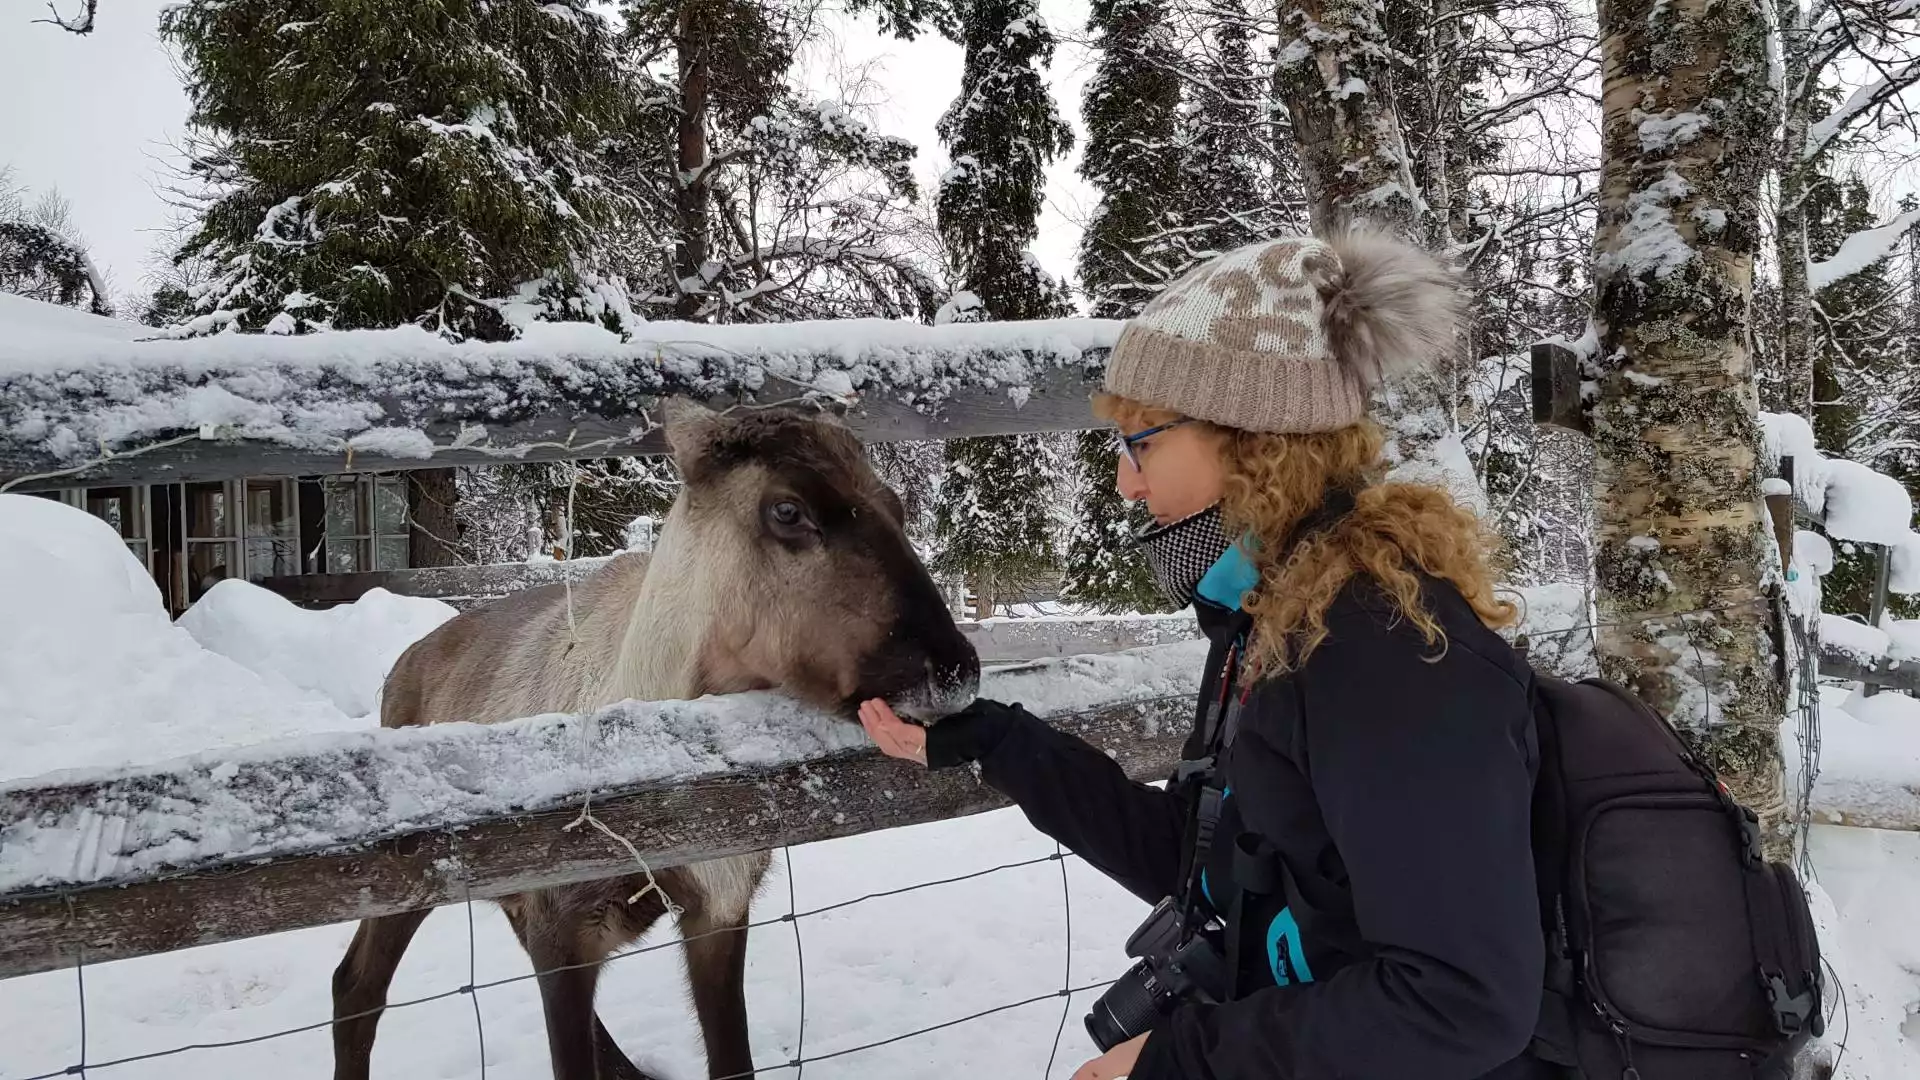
x: 913, y: 469
x: 1104, y: 568
x: 41, y: 254
x: 1001, y: 132
x: 1131, y: 109
x: 993, y: 523
x: 1132, y: 158
x: 994, y: 519
x: 380, y: 164
x: 1686, y: 619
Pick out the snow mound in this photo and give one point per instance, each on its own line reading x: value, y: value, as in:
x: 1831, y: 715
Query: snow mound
x: 1559, y: 629
x: 1852, y: 501
x: 1865, y: 890
x: 96, y: 674
x: 1813, y: 553
x: 1865, y: 642
x: 341, y: 653
x: 1885, y: 709
x: 1869, y: 766
x: 1905, y: 637
x: 1865, y: 505
x: 1904, y: 577
x: 1789, y: 435
x: 35, y: 325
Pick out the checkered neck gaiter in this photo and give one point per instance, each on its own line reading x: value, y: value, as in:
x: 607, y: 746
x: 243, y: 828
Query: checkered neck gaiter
x: 1181, y: 552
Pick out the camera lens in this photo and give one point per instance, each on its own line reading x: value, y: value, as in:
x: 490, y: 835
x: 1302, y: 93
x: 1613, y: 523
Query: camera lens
x: 1126, y: 1010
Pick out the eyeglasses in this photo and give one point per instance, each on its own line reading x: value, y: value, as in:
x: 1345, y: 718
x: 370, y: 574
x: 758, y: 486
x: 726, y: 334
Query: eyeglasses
x: 1128, y: 443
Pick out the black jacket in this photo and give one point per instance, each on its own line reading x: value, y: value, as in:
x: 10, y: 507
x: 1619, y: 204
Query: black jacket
x: 1396, y: 787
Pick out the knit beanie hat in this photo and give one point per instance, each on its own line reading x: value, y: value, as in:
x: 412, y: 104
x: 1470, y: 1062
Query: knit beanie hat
x: 1288, y: 335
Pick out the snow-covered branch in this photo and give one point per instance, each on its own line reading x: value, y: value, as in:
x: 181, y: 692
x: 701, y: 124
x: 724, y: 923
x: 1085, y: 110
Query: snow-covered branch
x: 81, y: 23
x: 1861, y: 250
x: 1860, y: 105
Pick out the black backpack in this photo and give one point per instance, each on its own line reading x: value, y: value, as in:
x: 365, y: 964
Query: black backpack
x: 1675, y: 949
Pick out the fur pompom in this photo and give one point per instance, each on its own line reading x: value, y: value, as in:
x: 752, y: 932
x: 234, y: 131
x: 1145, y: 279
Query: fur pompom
x: 1391, y: 308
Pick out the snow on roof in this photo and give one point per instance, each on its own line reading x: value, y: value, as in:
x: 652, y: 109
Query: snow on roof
x: 66, y: 395
x: 36, y: 328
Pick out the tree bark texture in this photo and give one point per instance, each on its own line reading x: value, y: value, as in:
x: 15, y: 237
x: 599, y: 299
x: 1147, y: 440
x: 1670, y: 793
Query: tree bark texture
x: 1687, y: 608
x: 1790, y: 218
x: 434, y: 535
x: 694, y: 41
x: 1332, y: 74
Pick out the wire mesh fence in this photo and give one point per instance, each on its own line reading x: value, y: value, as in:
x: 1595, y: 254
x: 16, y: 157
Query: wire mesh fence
x: 1804, y: 720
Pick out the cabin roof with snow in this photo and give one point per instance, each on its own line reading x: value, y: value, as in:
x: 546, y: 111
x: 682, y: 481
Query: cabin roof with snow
x: 95, y: 400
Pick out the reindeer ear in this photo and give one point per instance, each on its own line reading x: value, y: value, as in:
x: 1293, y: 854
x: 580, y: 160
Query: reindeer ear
x: 691, y: 427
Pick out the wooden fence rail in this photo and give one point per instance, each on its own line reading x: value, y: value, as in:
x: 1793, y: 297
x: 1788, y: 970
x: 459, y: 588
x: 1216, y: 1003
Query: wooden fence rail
x: 325, y: 829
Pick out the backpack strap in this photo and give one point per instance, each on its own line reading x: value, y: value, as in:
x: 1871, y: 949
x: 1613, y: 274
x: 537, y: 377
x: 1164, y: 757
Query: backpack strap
x: 1258, y: 870
x: 1794, y: 1011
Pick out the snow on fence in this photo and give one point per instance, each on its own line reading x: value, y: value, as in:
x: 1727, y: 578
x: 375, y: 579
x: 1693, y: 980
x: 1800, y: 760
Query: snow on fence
x: 1852, y: 504
x: 98, y: 409
x: 225, y: 845
x: 322, y: 829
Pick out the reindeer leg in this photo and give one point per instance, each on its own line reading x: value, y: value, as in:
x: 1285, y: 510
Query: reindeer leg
x: 614, y: 1063
x: 360, y: 985
x: 717, y: 969
x: 552, y: 941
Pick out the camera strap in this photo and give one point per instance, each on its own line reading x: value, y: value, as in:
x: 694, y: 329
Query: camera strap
x: 1200, y: 779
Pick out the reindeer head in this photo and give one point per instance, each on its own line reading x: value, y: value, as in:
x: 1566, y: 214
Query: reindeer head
x: 804, y: 553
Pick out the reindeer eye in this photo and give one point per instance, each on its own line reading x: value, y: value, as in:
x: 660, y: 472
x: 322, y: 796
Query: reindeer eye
x: 788, y: 521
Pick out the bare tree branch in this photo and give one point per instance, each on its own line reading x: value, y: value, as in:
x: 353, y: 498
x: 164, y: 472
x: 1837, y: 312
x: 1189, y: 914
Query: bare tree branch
x: 77, y: 24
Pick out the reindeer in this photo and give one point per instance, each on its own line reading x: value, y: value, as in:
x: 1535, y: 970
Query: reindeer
x: 784, y: 564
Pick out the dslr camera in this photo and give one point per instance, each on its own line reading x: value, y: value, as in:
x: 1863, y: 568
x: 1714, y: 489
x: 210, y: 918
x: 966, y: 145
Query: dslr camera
x: 1176, y: 963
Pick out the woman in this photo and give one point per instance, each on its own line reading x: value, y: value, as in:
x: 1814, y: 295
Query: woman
x: 1370, y: 877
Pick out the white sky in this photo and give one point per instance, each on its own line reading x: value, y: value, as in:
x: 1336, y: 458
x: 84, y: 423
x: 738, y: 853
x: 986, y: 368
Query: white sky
x: 96, y: 117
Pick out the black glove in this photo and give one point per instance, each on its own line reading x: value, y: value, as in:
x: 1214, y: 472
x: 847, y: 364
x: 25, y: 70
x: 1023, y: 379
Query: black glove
x: 972, y: 733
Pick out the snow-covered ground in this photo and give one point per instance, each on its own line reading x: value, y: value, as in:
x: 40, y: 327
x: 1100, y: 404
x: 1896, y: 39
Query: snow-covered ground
x: 97, y: 677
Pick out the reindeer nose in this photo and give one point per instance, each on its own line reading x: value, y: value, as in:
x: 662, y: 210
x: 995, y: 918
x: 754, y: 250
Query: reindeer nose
x: 954, y: 687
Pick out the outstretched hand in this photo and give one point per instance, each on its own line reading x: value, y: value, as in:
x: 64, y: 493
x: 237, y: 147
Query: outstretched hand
x: 894, y: 736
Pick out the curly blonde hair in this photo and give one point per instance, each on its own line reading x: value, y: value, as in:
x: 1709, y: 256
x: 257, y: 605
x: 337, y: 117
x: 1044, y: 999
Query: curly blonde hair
x: 1394, y: 533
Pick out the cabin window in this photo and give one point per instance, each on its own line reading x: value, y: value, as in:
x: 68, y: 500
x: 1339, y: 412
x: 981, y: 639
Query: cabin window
x: 211, y: 536
x: 367, y: 524
x: 273, y: 529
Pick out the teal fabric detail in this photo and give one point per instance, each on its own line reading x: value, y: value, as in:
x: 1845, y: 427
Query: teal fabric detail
x: 1285, y: 930
x: 1231, y: 577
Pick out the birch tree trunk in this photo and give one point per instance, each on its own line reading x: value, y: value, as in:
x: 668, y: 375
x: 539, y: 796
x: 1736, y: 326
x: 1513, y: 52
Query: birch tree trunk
x: 1331, y: 73
x: 1790, y: 219
x: 1686, y: 612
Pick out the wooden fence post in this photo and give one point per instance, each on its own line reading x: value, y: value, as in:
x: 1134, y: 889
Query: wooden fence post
x: 1882, y: 574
